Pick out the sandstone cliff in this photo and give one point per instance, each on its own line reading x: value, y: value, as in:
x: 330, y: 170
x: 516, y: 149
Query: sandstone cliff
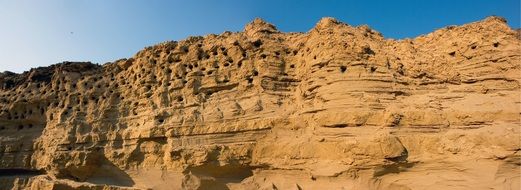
x: 337, y: 107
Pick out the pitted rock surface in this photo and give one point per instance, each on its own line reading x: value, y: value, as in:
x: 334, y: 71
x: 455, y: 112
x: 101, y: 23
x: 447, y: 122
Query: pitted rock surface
x: 336, y: 107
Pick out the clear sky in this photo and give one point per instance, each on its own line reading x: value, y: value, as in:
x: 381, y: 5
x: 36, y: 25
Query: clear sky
x: 39, y: 33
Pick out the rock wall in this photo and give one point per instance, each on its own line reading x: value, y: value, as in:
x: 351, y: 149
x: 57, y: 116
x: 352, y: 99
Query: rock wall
x: 337, y: 107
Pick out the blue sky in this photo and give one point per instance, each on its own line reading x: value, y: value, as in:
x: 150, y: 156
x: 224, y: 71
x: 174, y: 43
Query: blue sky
x: 39, y: 33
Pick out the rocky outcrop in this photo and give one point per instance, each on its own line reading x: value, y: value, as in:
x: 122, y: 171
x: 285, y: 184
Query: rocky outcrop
x: 335, y: 107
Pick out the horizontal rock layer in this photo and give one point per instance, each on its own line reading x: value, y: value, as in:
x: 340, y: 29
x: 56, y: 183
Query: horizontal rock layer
x: 335, y: 107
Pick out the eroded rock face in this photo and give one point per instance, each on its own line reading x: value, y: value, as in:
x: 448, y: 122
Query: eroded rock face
x: 336, y: 107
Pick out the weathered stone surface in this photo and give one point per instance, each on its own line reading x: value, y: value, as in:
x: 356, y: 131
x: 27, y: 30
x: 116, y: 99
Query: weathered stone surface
x: 336, y: 107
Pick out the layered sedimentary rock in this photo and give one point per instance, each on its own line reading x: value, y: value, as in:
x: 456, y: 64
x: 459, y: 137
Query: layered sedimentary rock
x: 337, y: 107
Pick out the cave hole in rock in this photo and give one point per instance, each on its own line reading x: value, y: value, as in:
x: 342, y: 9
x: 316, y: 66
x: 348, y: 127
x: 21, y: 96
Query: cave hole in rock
x: 315, y: 57
x: 226, y: 64
x: 179, y: 98
x: 496, y: 44
x: 263, y: 56
x: 20, y: 127
x: 239, y: 64
x: 255, y: 73
x: 292, y: 66
x: 2, y: 128
x: 372, y: 69
x: 473, y: 47
x: 250, y: 80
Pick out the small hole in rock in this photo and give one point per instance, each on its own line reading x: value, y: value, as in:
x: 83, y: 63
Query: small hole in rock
x: 343, y: 68
x: 452, y: 53
x: 257, y: 43
x: 496, y: 44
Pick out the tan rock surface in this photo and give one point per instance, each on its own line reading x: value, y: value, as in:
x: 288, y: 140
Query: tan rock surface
x: 337, y: 107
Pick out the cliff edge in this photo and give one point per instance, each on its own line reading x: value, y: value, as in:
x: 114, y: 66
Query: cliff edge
x: 337, y: 107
